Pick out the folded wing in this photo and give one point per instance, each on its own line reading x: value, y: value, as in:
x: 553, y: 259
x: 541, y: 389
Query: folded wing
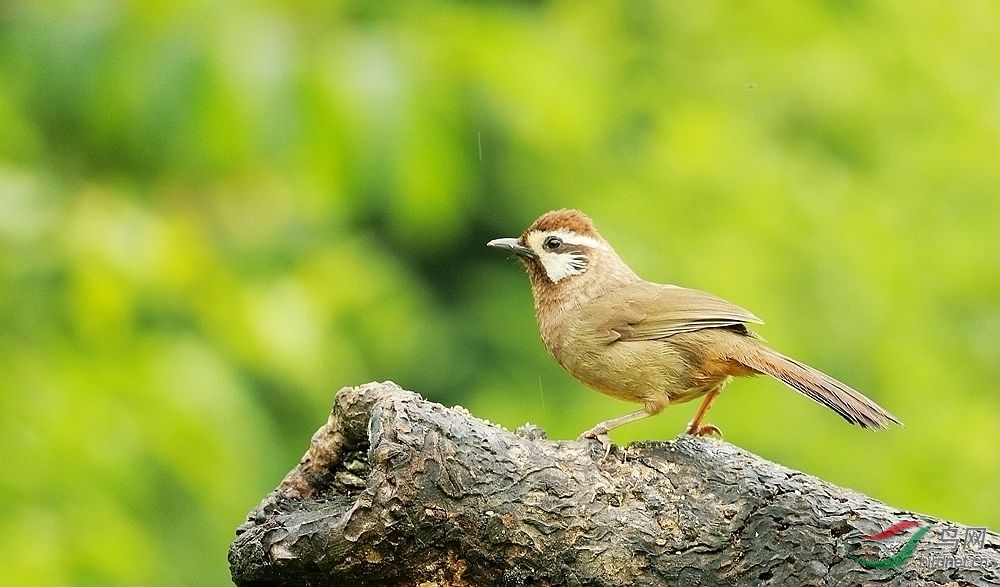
x: 654, y: 311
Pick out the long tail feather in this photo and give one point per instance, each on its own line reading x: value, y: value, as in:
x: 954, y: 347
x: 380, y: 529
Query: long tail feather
x: 819, y: 387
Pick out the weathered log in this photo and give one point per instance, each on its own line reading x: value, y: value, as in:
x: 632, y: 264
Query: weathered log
x: 397, y: 490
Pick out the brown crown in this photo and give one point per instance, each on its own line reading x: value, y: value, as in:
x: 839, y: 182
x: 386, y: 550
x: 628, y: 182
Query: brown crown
x: 565, y: 219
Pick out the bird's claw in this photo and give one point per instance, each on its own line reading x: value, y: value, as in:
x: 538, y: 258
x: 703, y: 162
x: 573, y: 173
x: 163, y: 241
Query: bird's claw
x: 695, y: 429
x: 600, y: 434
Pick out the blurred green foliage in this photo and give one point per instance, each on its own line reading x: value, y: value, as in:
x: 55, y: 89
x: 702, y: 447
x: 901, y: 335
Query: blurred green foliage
x: 213, y: 215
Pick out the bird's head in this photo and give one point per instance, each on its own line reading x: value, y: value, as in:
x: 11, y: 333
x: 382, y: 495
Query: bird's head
x: 562, y: 248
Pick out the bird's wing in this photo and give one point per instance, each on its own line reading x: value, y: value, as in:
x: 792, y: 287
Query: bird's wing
x: 652, y: 311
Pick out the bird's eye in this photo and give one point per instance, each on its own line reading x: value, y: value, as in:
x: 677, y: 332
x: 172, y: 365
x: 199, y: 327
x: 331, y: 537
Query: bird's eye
x: 552, y: 243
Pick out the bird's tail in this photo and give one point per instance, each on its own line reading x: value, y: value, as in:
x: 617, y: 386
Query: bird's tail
x: 819, y: 387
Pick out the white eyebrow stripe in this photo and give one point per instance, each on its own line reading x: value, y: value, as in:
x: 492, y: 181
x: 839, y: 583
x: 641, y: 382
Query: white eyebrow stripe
x: 571, y: 238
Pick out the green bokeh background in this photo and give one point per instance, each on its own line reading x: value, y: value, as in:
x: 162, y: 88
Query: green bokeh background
x: 214, y: 214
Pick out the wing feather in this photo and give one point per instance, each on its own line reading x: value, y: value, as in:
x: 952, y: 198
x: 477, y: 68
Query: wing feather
x: 653, y: 311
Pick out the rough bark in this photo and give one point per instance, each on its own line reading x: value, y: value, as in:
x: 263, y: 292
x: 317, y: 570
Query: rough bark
x: 396, y: 490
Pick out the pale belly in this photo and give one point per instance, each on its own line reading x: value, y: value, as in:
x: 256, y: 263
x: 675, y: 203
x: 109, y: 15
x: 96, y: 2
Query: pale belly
x: 639, y: 372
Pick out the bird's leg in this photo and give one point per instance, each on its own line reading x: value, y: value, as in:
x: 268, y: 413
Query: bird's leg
x: 600, y: 431
x: 602, y: 428
x: 695, y: 426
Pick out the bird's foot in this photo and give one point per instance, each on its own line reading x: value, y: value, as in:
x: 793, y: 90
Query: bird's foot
x: 600, y: 434
x: 698, y: 429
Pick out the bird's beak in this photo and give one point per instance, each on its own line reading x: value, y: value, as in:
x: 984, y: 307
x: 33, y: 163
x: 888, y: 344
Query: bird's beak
x: 511, y: 244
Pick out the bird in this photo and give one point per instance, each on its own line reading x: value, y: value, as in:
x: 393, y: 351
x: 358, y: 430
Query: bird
x: 650, y: 343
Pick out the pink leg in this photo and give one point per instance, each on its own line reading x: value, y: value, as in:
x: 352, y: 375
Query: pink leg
x: 695, y: 427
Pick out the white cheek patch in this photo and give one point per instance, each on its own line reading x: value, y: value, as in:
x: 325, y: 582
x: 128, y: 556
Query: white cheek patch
x: 559, y: 266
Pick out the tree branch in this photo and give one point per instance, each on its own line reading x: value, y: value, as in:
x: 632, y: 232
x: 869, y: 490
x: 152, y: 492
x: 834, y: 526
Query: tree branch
x: 396, y: 490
